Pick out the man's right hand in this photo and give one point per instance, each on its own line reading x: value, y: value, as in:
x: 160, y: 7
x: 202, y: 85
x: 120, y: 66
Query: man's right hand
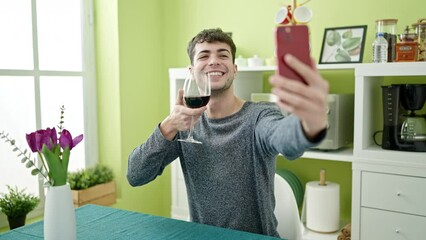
x: 180, y: 118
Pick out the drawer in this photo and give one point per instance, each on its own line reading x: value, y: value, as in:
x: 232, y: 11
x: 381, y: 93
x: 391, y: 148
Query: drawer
x: 380, y: 224
x: 394, y: 192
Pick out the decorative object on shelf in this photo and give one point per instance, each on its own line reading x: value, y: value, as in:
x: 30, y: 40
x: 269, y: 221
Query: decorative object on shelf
x: 411, y: 45
x: 321, y: 207
x: 54, y: 153
x: 16, y: 204
x: 343, y: 45
x: 93, y: 185
x: 255, y: 61
x: 241, y: 62
x: 294, y: 14
x: 407, y: 48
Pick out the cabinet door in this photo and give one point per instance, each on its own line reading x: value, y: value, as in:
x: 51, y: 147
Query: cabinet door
x: 379, y: 224
x: 394, y: 192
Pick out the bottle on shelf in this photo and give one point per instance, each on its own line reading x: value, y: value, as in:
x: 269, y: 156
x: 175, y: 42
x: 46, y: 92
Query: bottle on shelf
x: 388, y: 27
x: 380, y: 49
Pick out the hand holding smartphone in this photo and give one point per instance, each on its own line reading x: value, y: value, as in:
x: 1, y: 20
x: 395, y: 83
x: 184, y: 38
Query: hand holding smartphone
x: 294, y: 40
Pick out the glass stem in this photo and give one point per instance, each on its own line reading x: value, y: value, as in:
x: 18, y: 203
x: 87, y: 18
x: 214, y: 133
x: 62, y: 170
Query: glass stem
x: 191, y: 128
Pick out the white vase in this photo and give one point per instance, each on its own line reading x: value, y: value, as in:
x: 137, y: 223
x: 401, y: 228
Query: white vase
x: 59, y: 214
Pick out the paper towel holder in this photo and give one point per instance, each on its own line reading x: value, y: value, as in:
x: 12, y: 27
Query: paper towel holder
x: 322, y: 181
x: 315, y: 215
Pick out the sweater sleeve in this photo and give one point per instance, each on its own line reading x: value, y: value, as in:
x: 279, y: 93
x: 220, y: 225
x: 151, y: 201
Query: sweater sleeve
x: 276, y: 133
x: 148, y: 161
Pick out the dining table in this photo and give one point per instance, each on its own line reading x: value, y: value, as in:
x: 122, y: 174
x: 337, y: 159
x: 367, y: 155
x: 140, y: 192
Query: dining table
x: 101, y: 222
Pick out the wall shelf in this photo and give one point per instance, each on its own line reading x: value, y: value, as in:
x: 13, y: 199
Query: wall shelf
x: 344, y: 154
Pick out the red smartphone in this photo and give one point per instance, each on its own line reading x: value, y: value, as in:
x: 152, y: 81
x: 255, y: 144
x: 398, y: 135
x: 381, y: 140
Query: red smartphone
x: 294, y: 40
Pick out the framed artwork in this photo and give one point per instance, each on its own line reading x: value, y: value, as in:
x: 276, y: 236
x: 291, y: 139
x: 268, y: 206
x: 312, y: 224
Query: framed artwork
x: 343, y: 45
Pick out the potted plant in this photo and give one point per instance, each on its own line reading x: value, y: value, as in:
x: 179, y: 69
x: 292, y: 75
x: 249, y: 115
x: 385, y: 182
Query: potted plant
x: 16, y: 205
x: 93, y: 185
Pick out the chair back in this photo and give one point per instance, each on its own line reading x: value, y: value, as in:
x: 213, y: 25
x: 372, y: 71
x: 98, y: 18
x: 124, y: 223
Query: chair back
x: 286, y: 210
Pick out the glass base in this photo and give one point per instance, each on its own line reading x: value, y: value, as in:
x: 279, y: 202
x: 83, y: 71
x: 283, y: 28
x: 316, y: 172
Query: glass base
x: 190, y: 140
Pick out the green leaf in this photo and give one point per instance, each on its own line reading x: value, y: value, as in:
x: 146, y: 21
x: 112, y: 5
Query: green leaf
x: 347, y: 34
x: 35, y: 171
x: 351, y: 43
x: 333, y: 38
x: 24, y: 159
x: 57, y: 171
x: 15, y: 149
x: 342, y: 56
x: 29, y: 164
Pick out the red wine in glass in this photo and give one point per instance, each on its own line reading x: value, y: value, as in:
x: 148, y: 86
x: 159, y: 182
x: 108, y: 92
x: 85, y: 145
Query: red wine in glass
x: 196, y: 102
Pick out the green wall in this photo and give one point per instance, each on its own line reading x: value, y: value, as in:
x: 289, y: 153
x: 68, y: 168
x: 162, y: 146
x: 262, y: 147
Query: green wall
x: 138, y: 40
x: 131, y: 93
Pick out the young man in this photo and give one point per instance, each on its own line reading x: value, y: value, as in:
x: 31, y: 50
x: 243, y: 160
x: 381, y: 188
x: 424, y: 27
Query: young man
x: 230, y: 177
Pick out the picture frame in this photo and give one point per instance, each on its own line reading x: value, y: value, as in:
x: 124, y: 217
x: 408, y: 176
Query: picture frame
x: 343, y: 45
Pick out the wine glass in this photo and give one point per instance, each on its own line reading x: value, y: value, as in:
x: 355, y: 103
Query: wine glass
x: 196, y: 93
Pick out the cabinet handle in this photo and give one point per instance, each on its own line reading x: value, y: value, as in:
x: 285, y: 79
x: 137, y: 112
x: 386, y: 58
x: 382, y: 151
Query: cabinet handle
x: 396, y: 230
x: 398, y: 194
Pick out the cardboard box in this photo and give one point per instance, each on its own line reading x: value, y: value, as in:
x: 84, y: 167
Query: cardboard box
x: 101, y: 194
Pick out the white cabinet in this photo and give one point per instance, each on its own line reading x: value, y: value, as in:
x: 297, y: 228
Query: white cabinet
x: 388, y: 187
x: 378, y: 174
x: 392, y: 206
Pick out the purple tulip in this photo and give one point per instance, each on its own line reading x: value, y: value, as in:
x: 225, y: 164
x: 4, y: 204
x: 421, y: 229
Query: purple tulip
x: 66, y: 140
x: 36, y: 139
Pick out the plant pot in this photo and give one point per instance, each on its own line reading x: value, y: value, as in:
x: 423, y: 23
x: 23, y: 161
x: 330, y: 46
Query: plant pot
x: 16, y: 222
x: 101, y: 194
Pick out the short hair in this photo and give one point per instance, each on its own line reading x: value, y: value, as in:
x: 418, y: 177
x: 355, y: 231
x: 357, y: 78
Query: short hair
x: 211, y: 35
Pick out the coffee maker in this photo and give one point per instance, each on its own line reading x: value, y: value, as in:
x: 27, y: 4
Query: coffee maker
x: 404, y: 129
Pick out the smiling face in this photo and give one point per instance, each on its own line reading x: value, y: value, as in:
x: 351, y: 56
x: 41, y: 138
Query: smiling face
x: 216, y: 59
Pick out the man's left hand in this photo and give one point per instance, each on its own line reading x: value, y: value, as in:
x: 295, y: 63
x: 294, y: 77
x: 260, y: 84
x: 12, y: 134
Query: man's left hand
x: 307, y: 101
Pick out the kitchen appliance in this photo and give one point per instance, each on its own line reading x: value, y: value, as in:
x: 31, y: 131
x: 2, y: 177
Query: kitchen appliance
x: 340, y: 129
x: 340, y: 119
x: 403, y: 128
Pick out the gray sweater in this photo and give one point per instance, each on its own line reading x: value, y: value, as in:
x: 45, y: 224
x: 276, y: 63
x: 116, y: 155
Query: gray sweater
x: 230, y: 177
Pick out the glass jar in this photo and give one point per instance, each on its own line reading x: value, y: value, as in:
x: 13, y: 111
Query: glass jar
x: 388, y: 28
x: 420, y: 27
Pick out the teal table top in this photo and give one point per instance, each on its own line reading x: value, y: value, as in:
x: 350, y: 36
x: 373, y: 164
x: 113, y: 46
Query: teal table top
x: 98, y: 222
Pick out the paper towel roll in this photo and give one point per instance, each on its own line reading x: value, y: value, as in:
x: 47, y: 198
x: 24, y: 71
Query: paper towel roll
x: 322, y: 206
